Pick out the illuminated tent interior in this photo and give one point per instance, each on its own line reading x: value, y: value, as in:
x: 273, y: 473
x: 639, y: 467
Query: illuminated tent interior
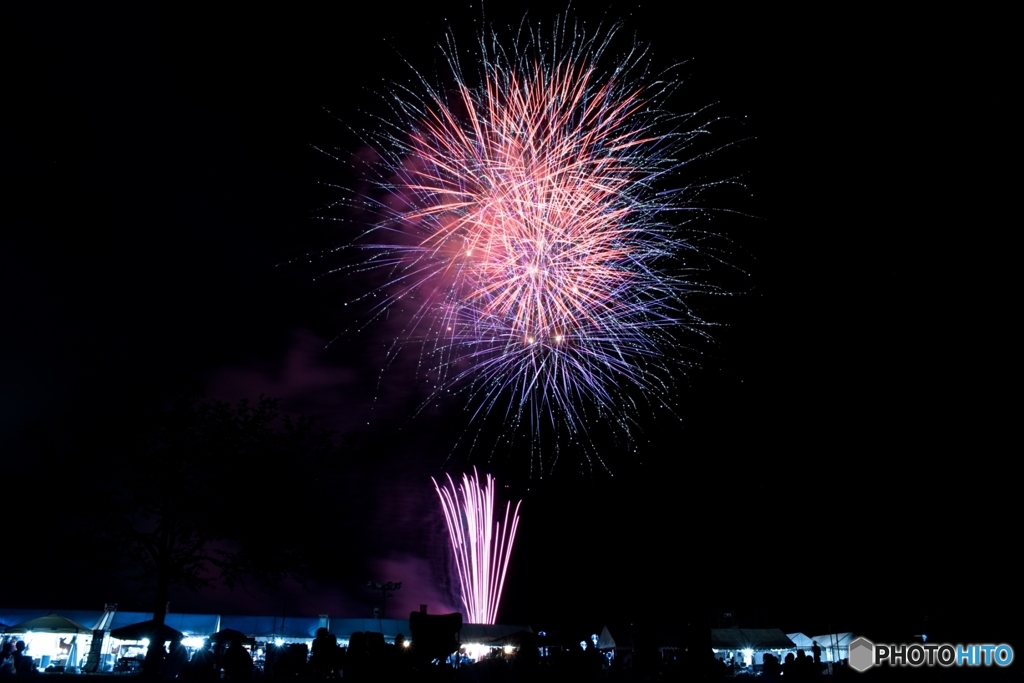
x: 57, y: 641
x: 834, y: 647
x: 748, y: 645
x: 479, y: 639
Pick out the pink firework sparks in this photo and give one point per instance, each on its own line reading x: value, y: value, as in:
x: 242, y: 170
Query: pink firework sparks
x: 482, y: 546
x: 532, y: 233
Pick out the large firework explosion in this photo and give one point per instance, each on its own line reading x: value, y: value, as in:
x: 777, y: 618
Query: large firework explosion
x: 536, y: 228
x: 482, y: 545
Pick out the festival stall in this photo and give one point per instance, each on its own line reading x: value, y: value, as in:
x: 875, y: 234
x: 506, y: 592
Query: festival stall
x: 55, y: 642
x: 480, y: 640
x: 746, y: 647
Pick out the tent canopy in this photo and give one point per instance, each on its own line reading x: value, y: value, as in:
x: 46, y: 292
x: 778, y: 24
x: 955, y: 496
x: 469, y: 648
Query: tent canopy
x: 86, y: 618
x: 90, y: 618
x: 801, y: 641
x: 126, y: 618
x: 615, y: 638
x: 272, y: 626
x: 147, y: 629
x: 750, y: 639
x: 194, y: 624
x: 16, y: 616
x: 51, y: 623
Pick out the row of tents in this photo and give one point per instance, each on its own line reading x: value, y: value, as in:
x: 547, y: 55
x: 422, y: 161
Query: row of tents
x: 834, y: 647
x: 128, y: 625
x: 143, y: 630
x: 229, y: 628
x: 136, y: 626
x: 94, y: 631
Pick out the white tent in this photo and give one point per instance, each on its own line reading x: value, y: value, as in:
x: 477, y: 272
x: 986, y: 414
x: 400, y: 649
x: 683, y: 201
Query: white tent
x: 834, y: 646
x: 802, y: 642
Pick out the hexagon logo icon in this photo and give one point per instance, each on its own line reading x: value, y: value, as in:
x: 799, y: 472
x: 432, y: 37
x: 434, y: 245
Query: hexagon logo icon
x: 862, y: 654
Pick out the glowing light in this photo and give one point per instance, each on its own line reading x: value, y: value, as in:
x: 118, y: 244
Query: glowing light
x: 540, y: 205
x: 476, y: 651
x: 482, y: 545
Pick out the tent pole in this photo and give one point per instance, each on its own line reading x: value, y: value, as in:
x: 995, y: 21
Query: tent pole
x: 832, y: 644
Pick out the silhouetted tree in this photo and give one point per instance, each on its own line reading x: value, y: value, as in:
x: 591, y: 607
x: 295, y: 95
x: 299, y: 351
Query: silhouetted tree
x: 180, y: 509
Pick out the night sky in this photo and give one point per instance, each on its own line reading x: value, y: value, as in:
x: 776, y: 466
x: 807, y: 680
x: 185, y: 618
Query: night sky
x: 834, y: 457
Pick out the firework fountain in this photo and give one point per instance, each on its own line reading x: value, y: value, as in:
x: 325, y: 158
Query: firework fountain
x: 482, y: 545
x: 534, y: 232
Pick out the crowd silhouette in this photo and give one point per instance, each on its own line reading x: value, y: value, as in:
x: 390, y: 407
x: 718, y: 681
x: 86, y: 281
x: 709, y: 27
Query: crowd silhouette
x: 369, y: 659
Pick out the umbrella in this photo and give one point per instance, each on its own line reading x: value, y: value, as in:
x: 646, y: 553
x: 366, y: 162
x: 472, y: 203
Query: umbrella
x: 147, y: 629
x: 51, y: 623
x: 230, y: 635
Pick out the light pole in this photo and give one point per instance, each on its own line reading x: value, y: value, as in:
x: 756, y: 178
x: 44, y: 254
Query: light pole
x: 384, y: 594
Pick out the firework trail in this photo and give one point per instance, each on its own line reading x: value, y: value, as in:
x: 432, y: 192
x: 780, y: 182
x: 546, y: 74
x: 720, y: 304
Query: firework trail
x: 482, y: 545
x: 533, y: 237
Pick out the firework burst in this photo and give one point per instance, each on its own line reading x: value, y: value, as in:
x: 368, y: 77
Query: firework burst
x: 481, y: 544
x: 535, y: 232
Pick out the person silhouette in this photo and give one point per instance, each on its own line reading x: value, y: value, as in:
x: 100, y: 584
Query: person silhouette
x: 23, y: 663
x: 238, y: 662
x: 7, y: 660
